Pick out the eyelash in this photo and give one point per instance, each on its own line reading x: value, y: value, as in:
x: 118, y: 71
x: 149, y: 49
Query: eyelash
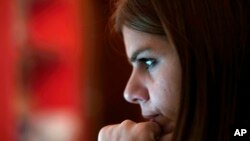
x: 147, y: 63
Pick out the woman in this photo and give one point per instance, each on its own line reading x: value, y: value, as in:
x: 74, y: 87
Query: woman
x: 190, y: 69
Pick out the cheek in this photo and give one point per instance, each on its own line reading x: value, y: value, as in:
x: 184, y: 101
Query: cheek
x: 165, y: 92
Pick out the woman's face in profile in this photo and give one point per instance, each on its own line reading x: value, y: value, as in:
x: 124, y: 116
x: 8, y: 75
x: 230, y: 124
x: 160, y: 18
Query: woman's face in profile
x: 155, y: 82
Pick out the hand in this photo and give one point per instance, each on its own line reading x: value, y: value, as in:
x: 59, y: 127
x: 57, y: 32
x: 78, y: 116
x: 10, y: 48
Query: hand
x: 130, y: 131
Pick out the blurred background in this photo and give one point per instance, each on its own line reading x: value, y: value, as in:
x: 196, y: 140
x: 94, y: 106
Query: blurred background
x: 60, y: 77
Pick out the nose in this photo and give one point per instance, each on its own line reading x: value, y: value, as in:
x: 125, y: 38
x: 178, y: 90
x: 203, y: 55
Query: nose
x: 136, y: 91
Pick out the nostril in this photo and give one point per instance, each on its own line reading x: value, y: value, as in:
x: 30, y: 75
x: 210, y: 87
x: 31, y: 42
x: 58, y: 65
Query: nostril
x: 138, y: 100
x: 136, y: 97
x: 130, y: 98
x: 135, y: 100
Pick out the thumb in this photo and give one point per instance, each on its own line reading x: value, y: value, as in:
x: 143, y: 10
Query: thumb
x: 157, y: 131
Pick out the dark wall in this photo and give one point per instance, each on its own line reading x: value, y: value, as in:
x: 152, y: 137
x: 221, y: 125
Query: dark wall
x: 108, y: 71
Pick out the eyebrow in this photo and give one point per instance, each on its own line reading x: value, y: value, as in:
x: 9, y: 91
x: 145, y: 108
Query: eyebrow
x: 137, y: 52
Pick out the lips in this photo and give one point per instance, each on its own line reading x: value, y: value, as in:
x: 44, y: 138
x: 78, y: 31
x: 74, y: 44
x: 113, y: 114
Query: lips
x: 164, y: 122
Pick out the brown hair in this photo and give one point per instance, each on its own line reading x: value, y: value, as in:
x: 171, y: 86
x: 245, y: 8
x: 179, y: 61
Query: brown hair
x: 211, y: 39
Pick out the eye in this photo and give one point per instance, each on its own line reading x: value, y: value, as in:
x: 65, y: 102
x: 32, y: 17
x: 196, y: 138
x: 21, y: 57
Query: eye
x: 147, y: 63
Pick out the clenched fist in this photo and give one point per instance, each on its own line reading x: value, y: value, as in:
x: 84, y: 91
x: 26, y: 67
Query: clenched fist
x: 130, y: 131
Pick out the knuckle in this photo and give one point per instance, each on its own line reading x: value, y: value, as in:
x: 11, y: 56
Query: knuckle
x: 104, y: 132
x: 139, y: 129
x: 144, y: 129
x: 142, y: 126
x: 127, y: 123
x: 101, y: 134
x: 103, y: 129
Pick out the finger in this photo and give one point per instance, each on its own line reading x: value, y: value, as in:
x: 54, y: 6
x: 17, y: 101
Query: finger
x: 102, y: 135
x: 156, y: 129
x: 149, y: 130
x: 116, y: 131
x: 166, y: 137
x: 127, y: 123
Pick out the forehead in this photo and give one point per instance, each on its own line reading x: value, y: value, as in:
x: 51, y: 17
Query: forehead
x: 135, y: 40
